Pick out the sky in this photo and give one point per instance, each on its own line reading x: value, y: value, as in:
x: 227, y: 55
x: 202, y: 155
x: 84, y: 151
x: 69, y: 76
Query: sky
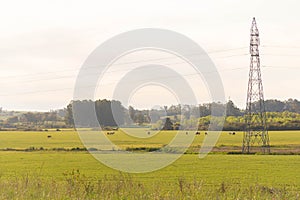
x: 45, y: 43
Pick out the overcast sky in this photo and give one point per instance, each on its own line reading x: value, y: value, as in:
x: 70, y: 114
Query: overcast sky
x: 44, y: 44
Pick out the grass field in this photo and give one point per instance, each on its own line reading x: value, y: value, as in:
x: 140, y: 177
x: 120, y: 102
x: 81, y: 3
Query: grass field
x: 69, y: 139
x: 51, y: 174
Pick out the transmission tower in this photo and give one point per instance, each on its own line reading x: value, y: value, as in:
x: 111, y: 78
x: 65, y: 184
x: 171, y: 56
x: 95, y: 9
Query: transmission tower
x: 256, y: 133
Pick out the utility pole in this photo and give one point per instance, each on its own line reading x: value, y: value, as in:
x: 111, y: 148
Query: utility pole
x: 255, y: 133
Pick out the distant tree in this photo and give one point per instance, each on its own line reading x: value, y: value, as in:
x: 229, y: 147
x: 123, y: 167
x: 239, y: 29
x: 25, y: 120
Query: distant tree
x: 131, y: 112
x: 109, y: 113
x: 204, y: 110
x: 166, y: 109
x: 61, y: 112
x: 195, y: 111
x: 69, y: 115
x: 30, y: 117
x: 232, y: 110
x: 186, y: 111
x: 292, y: 105
x: 174, y: 110
x: 154, y: 115
x: 139, y: 118
x: 168, y: 125
x: 12, y: 120
x: 219, y: 108
x: 274, y: 105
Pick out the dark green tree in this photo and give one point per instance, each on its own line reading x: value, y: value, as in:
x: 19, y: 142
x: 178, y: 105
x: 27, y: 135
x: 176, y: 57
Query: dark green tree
x: 168, y: 125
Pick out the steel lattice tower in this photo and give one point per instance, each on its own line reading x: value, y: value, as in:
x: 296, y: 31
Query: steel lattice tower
x: 256, y: 133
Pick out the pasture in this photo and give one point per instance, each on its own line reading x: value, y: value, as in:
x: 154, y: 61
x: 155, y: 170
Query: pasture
x: 69, y: 139
x: 56, y: 172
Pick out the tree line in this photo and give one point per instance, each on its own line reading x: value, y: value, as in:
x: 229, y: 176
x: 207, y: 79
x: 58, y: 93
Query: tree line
x: 281, y: 115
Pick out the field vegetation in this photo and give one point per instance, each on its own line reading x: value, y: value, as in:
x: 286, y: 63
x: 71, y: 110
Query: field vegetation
x: 34, y: 166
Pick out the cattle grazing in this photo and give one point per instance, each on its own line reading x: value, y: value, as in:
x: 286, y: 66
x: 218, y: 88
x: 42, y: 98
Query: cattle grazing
x: 110, y: 133
x: 186, y: 133
x: 233, y: 133
x: 148, y: 132
x: 197, y: 133
x: 206, y: 133
x: 49, y: 136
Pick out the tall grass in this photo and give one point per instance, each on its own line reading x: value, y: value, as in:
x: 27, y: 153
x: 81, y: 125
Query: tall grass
x: 123, y: 186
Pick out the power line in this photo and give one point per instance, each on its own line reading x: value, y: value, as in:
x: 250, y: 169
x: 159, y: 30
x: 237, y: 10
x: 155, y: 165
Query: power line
x: 272, y: 54
x: 124, y: 69
x: 281, y: 46
x: 113, y: 71
x: 70, y: 76
x: 281, y: 67
x: 165, y: 77
x: 112, y: 83
x: 126, y: 63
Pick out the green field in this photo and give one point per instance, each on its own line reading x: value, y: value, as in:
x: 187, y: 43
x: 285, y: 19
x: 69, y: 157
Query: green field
x: 69, y: 139
x: 63, y: 174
